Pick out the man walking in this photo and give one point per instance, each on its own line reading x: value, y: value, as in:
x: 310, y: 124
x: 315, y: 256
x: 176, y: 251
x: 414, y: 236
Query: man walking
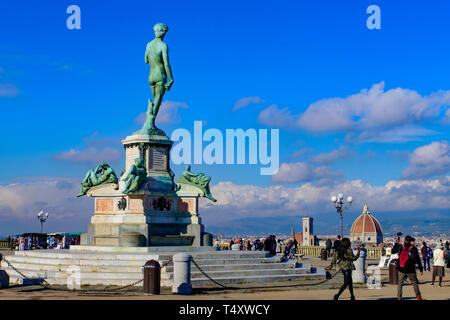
x: 426, y: 256
x: 408, y: 258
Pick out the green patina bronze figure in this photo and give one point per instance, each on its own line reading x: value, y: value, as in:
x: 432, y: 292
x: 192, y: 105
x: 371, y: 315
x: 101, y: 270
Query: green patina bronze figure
x: 199, y: 180
x: 135, y: 177
x: 101, y: 175
x: 157, y: 55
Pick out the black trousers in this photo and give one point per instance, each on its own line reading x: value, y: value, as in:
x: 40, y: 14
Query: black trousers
x: 348, y: 282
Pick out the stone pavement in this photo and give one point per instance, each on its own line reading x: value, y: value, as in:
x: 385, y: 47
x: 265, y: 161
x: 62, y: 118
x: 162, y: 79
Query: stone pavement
x: 268, y: 291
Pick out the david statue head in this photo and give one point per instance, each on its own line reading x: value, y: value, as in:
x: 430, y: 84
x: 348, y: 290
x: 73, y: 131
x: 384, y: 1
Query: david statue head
x: 160, y: 30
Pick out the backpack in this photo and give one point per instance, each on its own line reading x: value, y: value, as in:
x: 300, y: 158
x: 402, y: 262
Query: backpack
x: 429, y: 253
x: 404, y: 257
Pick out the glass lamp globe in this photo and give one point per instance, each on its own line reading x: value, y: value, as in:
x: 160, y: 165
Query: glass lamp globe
x: 340, y: 196
x: 333, y: 199
x: 46, y: 215
x: 349, y: 199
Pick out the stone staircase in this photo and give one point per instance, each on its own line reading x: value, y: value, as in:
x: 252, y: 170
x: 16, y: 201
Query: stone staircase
x: 123, y: 268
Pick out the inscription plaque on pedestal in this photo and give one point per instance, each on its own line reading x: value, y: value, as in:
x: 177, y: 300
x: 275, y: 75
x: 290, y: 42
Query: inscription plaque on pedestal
x: 157, y: 158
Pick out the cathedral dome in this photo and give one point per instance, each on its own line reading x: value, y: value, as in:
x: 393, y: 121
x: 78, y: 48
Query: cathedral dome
x: 366, y: 228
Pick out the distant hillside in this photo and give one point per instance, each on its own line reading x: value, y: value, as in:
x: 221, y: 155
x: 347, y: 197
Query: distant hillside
x: 328, y: 225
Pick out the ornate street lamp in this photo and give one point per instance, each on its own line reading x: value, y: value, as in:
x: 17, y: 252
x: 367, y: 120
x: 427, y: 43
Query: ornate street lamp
x: 339, y: 205
x: 42, y: 218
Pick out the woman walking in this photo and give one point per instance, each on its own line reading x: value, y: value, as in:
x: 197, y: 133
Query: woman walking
x: 343, y: 258
x: 438, y: 265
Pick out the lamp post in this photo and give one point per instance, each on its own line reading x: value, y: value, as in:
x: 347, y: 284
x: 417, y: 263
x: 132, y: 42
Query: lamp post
x: 339, y: 205
x: 42, y: 218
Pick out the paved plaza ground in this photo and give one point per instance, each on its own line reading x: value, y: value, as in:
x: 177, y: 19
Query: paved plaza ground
x: 272, y: 291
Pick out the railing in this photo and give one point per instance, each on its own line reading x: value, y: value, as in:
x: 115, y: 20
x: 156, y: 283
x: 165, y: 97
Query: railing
x: 375, y: 253
x: 314, y: 251
x: 310, y: 251
x: 4, y: 244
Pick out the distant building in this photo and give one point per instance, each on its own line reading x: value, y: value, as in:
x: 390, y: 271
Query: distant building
x: 307, y: 237
x: 366, y: 229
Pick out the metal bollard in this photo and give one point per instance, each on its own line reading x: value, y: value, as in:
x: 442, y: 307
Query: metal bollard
x: 393, y: 274
x: 359, y: 275
x: 323, y: 254
x: 152, y: 277
x: 182, y: 273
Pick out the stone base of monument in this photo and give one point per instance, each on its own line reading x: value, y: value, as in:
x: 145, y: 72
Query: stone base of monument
x: 159, y: 213
x: 116, y: 266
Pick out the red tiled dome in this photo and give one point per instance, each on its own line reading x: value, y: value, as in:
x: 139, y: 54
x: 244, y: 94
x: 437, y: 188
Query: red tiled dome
x: 366, y: 223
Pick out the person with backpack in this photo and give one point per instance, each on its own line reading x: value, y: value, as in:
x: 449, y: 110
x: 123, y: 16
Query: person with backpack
x: 438, y: 265
x: 343, y: 258
x: 408, y: 258
x: 427, y: 254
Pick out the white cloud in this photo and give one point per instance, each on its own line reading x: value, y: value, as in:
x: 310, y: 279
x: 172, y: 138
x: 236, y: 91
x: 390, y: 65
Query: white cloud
x: 330, y: 157
x: 99, y: 149
x: 301, y: 172
x: 277, y: 118
x: 238, y: 201
x: 373, y: 109
x: 168, y: 113
x: 22, y: 201
x: 429, y: 160
x: 89, y: 155
x: 244, y: 102
x: 372, y: 114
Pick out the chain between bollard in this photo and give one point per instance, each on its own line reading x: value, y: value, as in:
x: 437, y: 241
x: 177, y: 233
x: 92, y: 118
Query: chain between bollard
x: 261, y: 287
x: 47, y: 285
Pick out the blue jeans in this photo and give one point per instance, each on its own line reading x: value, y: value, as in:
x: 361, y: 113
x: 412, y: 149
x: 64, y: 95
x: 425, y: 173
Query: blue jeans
x: 425, y: 261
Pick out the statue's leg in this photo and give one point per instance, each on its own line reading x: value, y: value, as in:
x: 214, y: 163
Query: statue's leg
x: 158, y: 90
x: 127, y: 186
x: 88, y: 176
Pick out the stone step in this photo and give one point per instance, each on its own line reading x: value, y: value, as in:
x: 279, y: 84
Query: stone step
x: 257, y: 279
x: 245, y: 273
x: 220, y: 261
x: 85, y: 283
x: 218, y: 267
x: 126, y: 279
x: 78, y: 255
x: 33, y: 269
x: 84, y: 262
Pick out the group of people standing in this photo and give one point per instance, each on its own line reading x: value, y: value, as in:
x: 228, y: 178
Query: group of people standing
x: 409, y: 258
x: 440, y: 257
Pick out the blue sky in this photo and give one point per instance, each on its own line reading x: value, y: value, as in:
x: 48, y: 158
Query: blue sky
x: 82, y: 90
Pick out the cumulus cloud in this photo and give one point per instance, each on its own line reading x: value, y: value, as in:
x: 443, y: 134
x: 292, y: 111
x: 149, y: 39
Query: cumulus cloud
x: 244, y: 102
x: 237, y: 201
x: 22, y: 201
x: 373, y: 108
x: 429, y: 160
x: 98, y: 149
x: 278, y: 118
x: 301, y: 172
x: 330, y: 157
x: 373, y: 114
x: 89, y: 155
x: 168, y: 112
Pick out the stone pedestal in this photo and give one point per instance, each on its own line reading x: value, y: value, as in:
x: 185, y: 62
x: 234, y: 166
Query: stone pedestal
x: 159, y: 214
